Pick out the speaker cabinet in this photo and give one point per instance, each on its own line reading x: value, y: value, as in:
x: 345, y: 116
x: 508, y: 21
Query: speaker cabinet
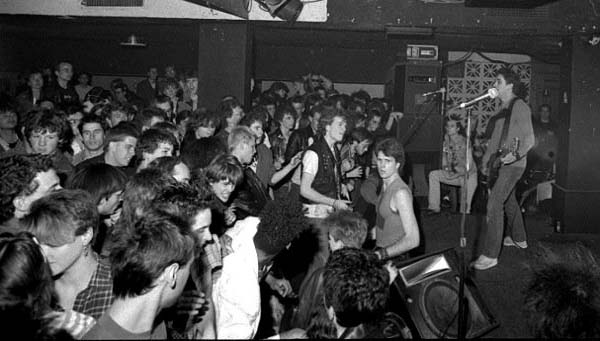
x: 426, y: 294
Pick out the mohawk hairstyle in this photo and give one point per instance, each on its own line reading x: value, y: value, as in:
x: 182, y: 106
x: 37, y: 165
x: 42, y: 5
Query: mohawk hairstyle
x: 281, y: 221
x: 562, y: 300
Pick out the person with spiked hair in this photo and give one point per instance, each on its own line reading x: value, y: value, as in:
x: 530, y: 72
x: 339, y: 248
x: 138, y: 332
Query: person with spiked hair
x: 249, y: 249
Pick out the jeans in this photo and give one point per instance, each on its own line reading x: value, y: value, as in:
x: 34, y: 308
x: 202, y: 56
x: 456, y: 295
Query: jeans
x: 502, y: 199
x: 440, y: 176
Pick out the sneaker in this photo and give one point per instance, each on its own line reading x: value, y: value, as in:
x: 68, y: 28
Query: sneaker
x: 484, y: 263
x: 508, y: 241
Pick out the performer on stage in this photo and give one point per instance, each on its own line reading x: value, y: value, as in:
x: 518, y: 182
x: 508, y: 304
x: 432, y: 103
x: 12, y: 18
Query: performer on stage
x: 454, y: 168
x: 518, y: 138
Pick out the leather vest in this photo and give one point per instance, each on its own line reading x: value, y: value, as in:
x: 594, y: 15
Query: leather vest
x: 327, y: 180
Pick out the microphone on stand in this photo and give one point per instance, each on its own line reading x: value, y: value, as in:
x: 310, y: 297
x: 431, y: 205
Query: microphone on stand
x: 491, y: 93
x: 439, y: 91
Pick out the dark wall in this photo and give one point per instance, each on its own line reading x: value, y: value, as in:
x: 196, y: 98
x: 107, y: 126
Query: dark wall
x: 94, y: 44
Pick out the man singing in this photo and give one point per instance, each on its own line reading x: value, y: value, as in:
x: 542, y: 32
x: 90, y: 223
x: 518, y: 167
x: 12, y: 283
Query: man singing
x: 517, y: 138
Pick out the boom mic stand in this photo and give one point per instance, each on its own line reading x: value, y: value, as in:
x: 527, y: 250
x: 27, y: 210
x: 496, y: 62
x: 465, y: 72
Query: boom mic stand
x: 462, y: 311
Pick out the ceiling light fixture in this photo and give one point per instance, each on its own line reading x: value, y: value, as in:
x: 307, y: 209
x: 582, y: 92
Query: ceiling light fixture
x: 133, y: 41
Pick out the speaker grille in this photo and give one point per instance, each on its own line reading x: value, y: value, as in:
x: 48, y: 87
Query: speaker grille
x: 113, y: 3
x: 538, y: 12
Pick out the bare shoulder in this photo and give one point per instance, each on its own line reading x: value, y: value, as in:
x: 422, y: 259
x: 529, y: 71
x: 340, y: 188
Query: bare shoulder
x: 402, y: 198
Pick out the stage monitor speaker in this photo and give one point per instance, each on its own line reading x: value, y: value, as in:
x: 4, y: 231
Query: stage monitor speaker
x: 426, y: 294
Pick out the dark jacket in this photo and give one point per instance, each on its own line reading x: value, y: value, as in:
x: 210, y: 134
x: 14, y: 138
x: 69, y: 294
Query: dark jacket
x: 298, y: 142
x: 325, y: 181
x: 251, y: 196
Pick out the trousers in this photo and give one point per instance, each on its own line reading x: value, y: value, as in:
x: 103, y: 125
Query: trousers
x: 502, y: 200
x: 441, y: 176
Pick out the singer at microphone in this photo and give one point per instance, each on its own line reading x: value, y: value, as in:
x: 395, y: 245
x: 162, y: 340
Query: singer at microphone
x: 439, y: 91
x: 491, y: 93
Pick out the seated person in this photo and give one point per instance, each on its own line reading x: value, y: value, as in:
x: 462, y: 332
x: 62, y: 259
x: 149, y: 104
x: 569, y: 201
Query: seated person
x: 119, y: 149
x: 105, y: 184
x: 27, y: 295
x: 152, y: 144
x: 65, y: 223
x: 150, y: 266
x: 454, y: 167
x: 25, y: 179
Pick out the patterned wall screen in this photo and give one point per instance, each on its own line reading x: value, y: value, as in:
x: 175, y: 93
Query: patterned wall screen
x: 477, y: 78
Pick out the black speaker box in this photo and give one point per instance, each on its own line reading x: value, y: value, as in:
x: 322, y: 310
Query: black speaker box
x: 426, y: 295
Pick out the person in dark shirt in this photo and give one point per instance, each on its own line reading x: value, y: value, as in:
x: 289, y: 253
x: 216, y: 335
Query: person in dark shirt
x: 62, y: 93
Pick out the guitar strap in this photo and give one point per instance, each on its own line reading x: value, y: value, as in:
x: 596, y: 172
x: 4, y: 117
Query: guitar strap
x: 507, y: 114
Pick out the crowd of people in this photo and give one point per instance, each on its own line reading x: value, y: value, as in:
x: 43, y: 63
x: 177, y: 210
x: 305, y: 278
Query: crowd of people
x: 142, y: 214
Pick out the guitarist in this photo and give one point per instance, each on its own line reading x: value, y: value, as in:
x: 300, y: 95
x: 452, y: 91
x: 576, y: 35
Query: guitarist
x: 514, y: 123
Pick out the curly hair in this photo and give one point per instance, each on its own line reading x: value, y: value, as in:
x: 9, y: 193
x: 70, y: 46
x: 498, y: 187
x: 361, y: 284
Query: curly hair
x: 356, y: 286
x: 182, y: 200
x: 151, y: 244
x: 562, y: 299
x: 281, y: 221
x: 18, y: 172
x: 51, y: 122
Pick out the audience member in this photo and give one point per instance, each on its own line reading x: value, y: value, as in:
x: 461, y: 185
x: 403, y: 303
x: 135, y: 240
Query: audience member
x: 65, y: 223
x: 9, y: 137
x: 249, y: 248
x: 173, y: 166
x: 148, y: 88
x: 84, y: 81
x: 27, y: 295
x: 25, y: 179
x: 93, y: 130
x: 152, y: 144
x: 150, y: 264
x: 62, y: 92
x: 396, y: 231
x: 230, y: 112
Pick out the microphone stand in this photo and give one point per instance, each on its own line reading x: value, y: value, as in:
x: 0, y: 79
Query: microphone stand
x: 462, y: 311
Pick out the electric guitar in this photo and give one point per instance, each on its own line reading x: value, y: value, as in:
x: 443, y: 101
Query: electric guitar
x: 495, y: 162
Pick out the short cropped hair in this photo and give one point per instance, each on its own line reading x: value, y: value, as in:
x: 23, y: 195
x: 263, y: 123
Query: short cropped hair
x: 59, y: 217
x: 100, y: 180
x: 145, y: 116
x: 360, y: 134
x: 120, y: 132
x: 225, y: 167
x: 390, y: 147
x: 202, y: 119
x: 91, y: 118
x: 356, y: 286
x: 327, y: 117
x: 151, y: 139
x: 254, y: 116
x: 281, y: 221
x: 18, y: 172
x: 348, y: 227
x: 154, y: 242
x: 239, y: 135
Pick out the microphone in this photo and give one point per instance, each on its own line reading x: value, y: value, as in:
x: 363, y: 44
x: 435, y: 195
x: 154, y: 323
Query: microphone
x: 439, y: 91
x: 491, y: 93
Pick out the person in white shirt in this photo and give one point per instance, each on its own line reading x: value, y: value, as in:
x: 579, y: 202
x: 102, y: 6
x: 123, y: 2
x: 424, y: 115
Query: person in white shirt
x: 249, y: 248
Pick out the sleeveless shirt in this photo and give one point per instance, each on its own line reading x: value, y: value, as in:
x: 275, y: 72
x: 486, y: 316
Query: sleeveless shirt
x: 389, y: 224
